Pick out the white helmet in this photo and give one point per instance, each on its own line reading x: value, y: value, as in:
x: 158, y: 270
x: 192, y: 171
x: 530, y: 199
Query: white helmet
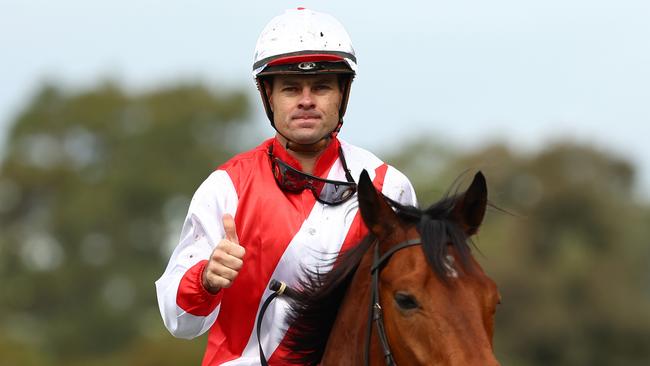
x: 303, y: 41
x: 301, y: 35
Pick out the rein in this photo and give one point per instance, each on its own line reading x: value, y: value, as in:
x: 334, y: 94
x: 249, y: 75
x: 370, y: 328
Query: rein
x: 279, y: 288
x: 375, y: 313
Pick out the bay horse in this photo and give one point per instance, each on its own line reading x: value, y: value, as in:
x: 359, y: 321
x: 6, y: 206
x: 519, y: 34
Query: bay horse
x: 410, y: 293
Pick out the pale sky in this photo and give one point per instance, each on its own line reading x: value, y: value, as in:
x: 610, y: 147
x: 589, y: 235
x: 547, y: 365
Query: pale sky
x: 467, y: 71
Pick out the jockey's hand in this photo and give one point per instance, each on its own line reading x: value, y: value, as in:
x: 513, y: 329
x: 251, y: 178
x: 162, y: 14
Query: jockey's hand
x: 225, y: 261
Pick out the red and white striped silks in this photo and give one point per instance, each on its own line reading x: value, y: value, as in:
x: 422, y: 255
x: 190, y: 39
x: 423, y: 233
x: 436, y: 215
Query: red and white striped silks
x: 280, y: 231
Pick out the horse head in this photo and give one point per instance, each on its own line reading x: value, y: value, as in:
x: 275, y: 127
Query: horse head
x: 438, y: 304
x: 410, y: 293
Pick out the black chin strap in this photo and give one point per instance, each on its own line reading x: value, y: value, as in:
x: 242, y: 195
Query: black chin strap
x: 321, y: 143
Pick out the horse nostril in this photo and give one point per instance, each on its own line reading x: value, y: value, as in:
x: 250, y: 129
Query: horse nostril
x: 406, y: 301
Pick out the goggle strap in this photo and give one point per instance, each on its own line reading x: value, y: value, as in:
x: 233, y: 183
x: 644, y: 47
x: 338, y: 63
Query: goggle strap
x: 348, y: 174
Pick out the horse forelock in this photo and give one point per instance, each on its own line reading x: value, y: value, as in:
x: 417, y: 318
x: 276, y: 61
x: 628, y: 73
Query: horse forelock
x: 439, y: 231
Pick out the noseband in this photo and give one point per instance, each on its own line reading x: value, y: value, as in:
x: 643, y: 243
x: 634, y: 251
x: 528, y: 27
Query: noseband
x: 375, y: 312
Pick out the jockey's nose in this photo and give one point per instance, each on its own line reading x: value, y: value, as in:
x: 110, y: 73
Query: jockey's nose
x: 306, y: 98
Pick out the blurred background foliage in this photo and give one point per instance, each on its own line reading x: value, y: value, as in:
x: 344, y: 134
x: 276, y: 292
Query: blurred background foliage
x: 95, y: 183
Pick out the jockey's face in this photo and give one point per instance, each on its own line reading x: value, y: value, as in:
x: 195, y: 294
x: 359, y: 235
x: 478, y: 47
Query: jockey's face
x: 305, y: 107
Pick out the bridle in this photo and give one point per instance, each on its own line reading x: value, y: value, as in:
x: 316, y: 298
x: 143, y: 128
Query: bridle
x: 375, y: 312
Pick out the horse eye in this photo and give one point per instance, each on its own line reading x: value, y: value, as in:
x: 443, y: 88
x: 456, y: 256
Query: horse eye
x: 405, y: 301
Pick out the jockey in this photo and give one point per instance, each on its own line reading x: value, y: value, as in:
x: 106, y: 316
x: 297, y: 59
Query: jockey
x: 286, y: 205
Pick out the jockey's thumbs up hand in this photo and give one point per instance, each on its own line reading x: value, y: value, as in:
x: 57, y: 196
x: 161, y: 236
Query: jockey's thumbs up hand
x: 226, y: 259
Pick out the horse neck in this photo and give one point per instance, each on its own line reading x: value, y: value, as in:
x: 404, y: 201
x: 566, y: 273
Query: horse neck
x: 347, y: 339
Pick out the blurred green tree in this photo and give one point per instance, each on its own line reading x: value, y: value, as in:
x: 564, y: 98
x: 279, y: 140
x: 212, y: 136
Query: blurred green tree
x: 572, y: 264
x: 93, y: 190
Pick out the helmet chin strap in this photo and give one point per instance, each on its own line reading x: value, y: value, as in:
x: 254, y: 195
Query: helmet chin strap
x: 314, y: 147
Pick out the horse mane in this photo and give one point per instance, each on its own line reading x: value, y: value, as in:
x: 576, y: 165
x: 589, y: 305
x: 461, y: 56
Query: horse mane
x: 315, y: 305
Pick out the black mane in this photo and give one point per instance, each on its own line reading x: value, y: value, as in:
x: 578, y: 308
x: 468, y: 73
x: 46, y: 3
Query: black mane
x: 314, y: 309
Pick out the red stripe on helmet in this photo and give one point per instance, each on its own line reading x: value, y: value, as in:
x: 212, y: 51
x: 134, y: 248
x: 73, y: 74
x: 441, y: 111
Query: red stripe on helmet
x: 304, y: 58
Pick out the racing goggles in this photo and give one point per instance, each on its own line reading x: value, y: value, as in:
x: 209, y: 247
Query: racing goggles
x: 329, y: 192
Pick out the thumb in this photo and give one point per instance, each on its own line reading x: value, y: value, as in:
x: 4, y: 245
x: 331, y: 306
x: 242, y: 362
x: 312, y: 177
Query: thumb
x: 229, y: 228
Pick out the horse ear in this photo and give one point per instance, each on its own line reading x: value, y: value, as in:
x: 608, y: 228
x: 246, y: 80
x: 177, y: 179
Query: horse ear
x: 470, y: 207
x: 375, y: 211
